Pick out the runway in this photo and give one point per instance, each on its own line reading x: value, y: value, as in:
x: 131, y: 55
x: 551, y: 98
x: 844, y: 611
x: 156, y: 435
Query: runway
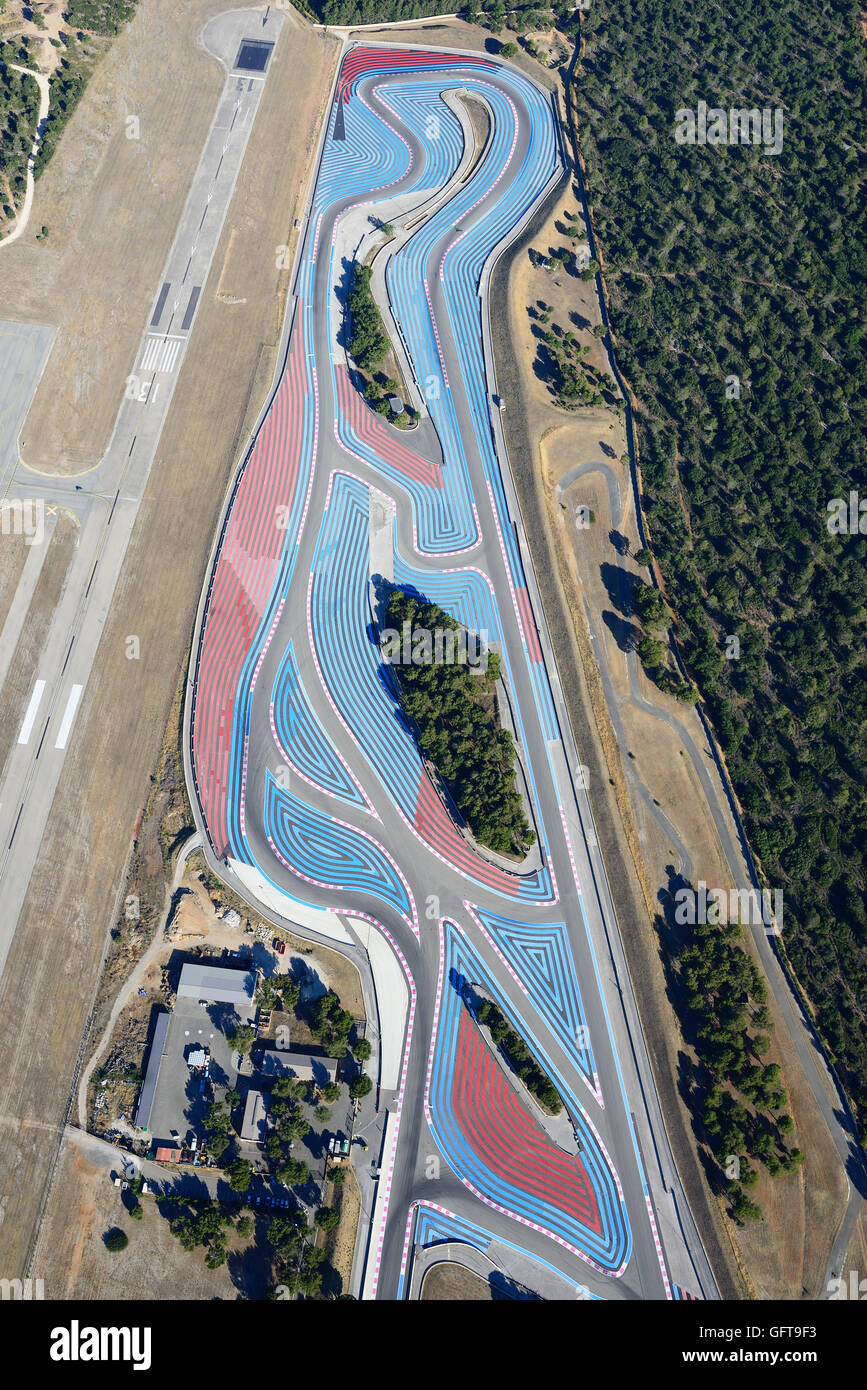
x: 308, y: 781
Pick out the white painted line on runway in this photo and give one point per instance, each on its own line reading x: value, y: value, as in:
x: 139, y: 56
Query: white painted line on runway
x: 160, y: 353
x: 69, y: 715
x: 30, y: 716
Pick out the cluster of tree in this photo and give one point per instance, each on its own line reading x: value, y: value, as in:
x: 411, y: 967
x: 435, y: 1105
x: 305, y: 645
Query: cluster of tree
x: 207, y: 1225
x: 368, y: 341
x: 727, y: 1021
x: 737, y: 280
x: 331, y: 1025
x: 298, y: 1262
x: 66, y: 87
x: 650, y: 608
x: 19, y: 111
x: 100, y: 16
x: 379, y: 390
x: 275, y: 991
x: 453, y: 706
x: 574, y: 380
x: 290, y: 1123
x: 217, y: 1124
x: 241, y: 1038
x: 519, y: 1057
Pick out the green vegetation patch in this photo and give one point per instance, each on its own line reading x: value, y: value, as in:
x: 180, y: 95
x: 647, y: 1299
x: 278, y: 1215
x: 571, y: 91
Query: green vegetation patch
x: 368, y: 340
x: 100, y: 16
x: 519, y: 1056
x: 19, y: 111
x: 453, y: 706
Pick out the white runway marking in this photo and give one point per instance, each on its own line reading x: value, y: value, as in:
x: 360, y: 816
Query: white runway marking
x: 30, y: 716
x: 160, y: 354
x: 68, y: 715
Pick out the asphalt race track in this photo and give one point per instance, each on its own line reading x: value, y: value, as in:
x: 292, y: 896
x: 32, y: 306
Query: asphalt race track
x: 304, y: 771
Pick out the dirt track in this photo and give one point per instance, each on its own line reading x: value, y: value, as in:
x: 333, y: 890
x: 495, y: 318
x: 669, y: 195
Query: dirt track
x: 55, y: 959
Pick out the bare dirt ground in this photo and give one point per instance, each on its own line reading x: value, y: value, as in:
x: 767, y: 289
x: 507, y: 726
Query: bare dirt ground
x: 55, y: 961
x: 13, y: 554
x: 453, y: 1283
x: 75, y: 1264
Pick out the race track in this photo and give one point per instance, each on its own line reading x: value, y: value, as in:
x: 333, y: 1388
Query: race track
x: 303, y: 767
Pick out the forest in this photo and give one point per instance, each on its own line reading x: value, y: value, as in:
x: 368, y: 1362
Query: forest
x: 736, y: 281
x: 453, y: 708
x: 368, y: 341
x: 19, y: 109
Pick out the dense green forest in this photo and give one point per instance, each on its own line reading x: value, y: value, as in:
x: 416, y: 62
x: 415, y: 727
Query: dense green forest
x: 521, y: 18
x: 738, y: 1098
x: 453, y: 708
x: 736, y: 280
x: 368, y: 341
x: 19, y: 109
x: 100, y: 16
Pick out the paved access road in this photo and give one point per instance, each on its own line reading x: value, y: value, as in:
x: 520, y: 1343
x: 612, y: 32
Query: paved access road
x: 310, y: 789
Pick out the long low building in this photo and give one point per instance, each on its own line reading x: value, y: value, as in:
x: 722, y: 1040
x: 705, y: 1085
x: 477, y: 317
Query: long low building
x: 301, y: 1066
x: 155, y: 1057
x: 257, y: 1120
x: 218, y: 985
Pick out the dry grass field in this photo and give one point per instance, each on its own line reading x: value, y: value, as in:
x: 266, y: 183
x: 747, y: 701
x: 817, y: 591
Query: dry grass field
x: 96, y: 275
x: 74, y: 1263
x: 453, y: 1283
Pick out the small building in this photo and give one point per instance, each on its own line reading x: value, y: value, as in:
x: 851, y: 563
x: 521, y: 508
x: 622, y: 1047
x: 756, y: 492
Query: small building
x: 155, y: 1057
x: 196, y: 1057
x: 218, y: 984
x: 396, y: 405
x: 300, y: 1066
x: 164, y: 1154
x: 257, y: 1120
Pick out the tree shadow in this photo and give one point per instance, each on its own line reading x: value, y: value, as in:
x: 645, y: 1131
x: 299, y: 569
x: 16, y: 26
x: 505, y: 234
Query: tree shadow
x: 619, y: 586
x: 619, y: 541
x: 625, y: 634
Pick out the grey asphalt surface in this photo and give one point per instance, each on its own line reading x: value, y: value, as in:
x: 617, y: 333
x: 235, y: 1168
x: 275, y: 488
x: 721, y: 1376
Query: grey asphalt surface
x: 642, y: 1278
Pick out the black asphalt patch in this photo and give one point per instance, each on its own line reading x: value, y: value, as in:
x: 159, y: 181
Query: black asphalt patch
x: 191, y: 308
x: 339, y: 125
x: 253, y: 56
x: 160, y: 304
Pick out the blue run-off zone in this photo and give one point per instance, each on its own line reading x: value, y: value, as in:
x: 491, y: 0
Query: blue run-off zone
x: 444, y: 516
x: 541, y: 956
x: 374, y: 156
x: 358, y: 680
x: 303, y: 739
x: 417, y: 265
x: 611, y: 1249
x: 314, y: 846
